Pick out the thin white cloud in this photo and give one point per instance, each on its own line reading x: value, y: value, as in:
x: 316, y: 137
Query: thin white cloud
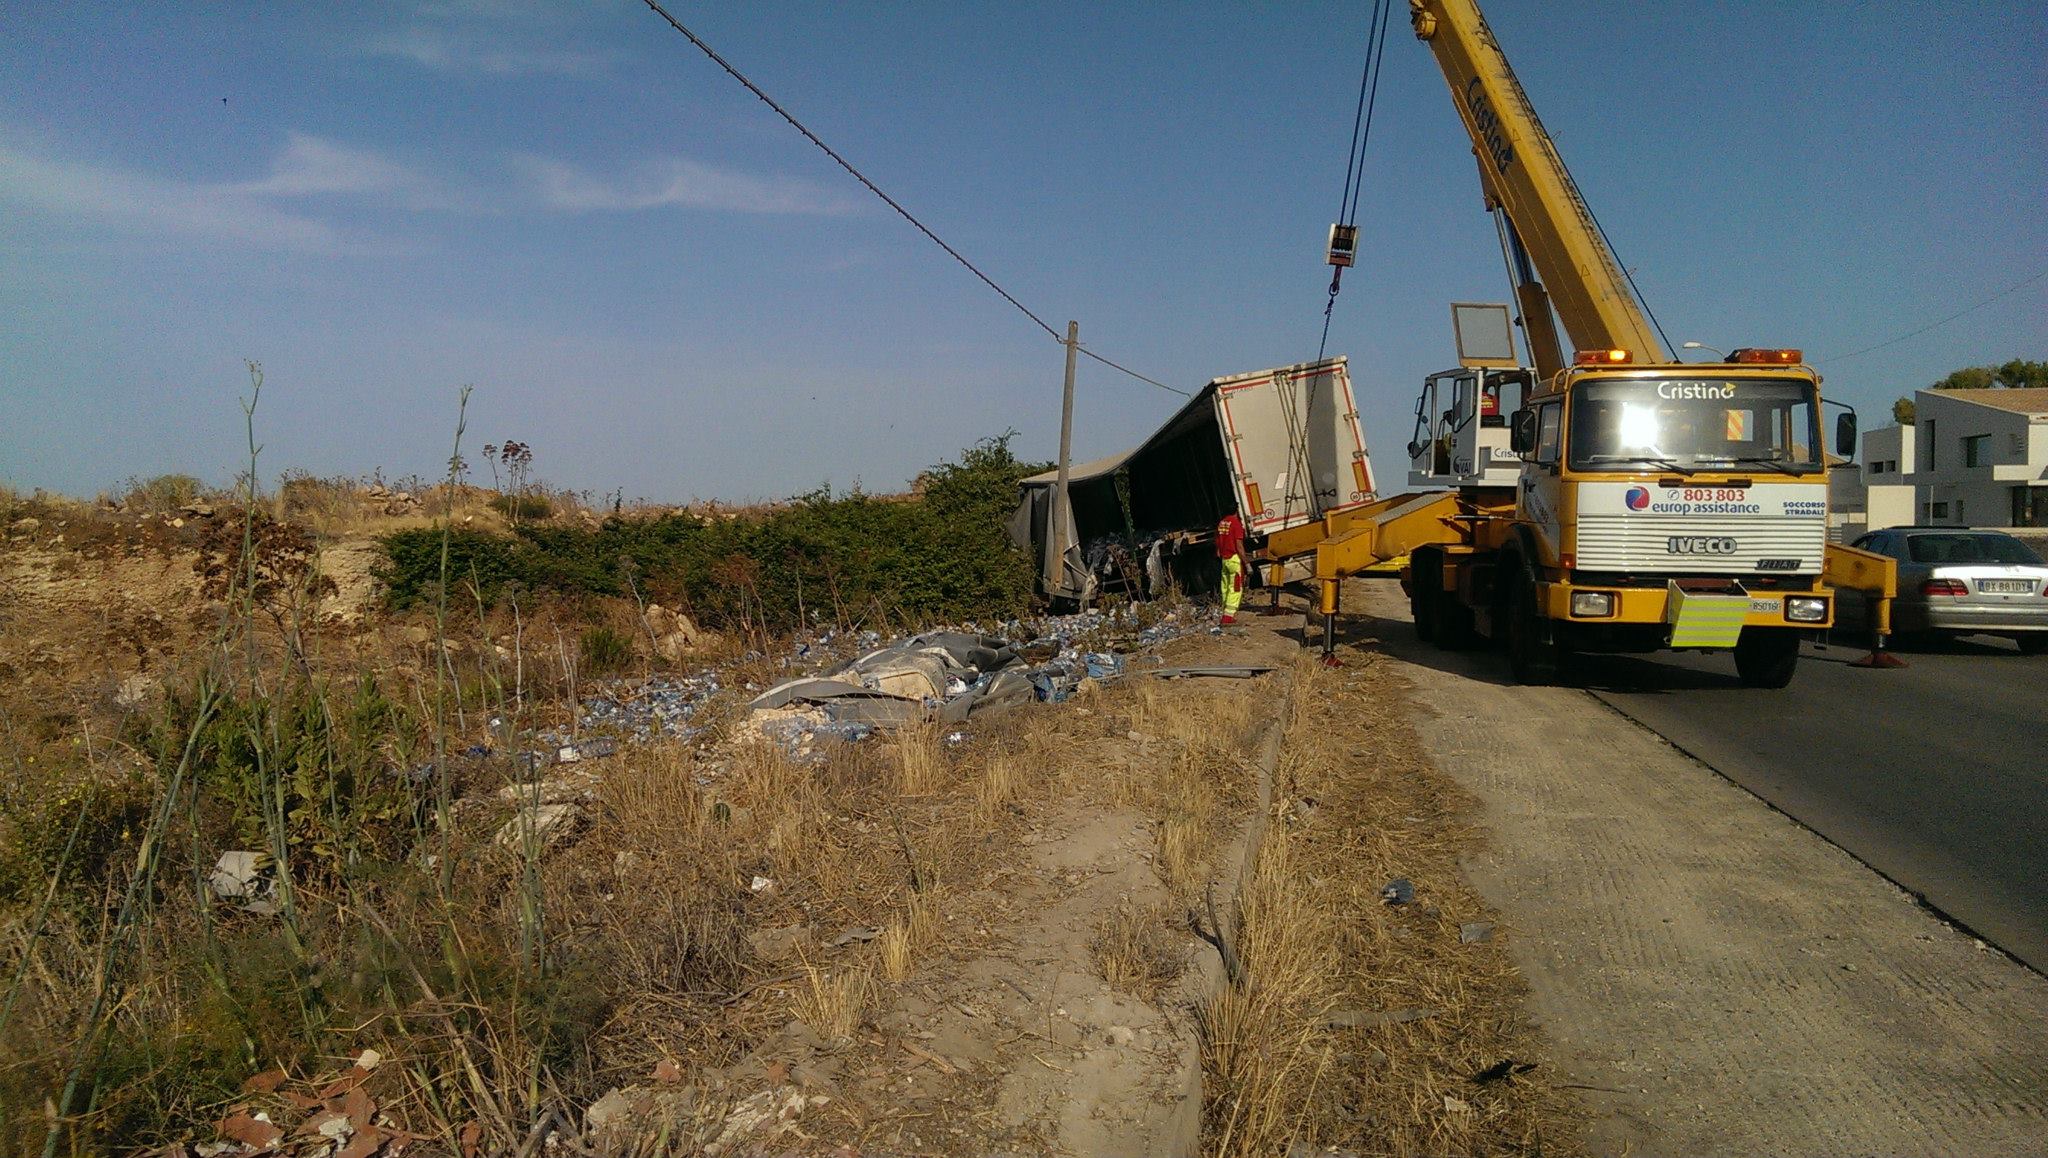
x: 313, y: 166
x: 139, y: 201
x: 681, y: 184
x: 443, y: 50
x: 259, y: 212
x: 495, y: 43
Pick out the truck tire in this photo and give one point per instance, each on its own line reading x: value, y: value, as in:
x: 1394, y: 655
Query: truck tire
x: 1440, y: 617
x: 1422, y: 591
x: 1454, y: 625
x: 1534, y: 661
x: 1766, y: 657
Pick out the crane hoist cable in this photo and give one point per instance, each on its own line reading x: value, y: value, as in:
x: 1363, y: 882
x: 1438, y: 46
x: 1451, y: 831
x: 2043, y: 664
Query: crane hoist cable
x: 1361, y: 137
x: 1347, y: 219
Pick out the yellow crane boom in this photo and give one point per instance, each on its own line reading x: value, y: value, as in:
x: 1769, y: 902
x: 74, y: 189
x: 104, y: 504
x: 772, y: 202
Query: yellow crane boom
x: 1521, y: 172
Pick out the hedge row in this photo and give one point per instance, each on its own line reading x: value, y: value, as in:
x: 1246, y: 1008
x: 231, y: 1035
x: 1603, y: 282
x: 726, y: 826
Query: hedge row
x: 942, y: 556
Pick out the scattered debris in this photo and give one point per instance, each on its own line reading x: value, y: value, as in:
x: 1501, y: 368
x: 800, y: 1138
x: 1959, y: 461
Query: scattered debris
x: 1364, y: 1018
x: 856, y: 933
x: 1504, y: 1068
x: 1232, y: 671
x: 547, y: 824
x: 1398, y: 891
x: 1473, y: 932
x: 245, y: 876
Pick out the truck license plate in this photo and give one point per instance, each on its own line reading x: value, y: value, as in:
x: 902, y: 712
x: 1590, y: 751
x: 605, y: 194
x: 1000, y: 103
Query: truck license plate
x: 2006, y: 586
x: 1765, y: 606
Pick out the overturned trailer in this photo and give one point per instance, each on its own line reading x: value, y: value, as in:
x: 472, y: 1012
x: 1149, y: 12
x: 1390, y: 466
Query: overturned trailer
x: 1279, y: 448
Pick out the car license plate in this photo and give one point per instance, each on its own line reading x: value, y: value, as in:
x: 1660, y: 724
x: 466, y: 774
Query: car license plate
x: 1769, y: 606
x: 2006, y: 586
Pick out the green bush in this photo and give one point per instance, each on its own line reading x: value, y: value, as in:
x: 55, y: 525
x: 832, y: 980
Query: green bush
x: 523, y: 508
x: 605, y: 650
x: 108, y: 816
x: 943, y: 555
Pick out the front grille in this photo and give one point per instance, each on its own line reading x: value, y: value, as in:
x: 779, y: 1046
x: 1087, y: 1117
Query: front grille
x: 1775, y: 581
x: 1637, y: 543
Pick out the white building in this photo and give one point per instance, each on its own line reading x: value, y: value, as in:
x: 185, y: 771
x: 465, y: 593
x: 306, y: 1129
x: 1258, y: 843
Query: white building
x: 1972, y: 458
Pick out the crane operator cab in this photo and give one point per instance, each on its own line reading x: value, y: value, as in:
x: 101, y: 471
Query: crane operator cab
x: 1461, y: 428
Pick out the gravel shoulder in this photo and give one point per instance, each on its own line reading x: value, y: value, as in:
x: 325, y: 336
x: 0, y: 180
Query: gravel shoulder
x: 1718, y: 978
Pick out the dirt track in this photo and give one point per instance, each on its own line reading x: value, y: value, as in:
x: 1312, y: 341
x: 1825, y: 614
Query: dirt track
x: 1718, y: 978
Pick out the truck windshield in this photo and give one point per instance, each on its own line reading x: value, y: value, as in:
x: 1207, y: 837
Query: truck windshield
x: 1693, y: 424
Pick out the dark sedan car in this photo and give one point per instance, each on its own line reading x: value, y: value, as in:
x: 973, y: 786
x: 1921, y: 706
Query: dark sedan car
x: 1955, y: 581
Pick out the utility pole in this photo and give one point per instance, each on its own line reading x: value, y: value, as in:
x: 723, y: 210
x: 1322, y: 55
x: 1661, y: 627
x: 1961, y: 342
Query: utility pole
x: 1056, y: 563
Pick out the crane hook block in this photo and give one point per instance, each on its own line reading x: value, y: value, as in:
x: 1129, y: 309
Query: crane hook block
x: 1343, y: 245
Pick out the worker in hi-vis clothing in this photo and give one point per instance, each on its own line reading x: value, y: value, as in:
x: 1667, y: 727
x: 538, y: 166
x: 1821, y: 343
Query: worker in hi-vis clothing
x: 1230, y: 549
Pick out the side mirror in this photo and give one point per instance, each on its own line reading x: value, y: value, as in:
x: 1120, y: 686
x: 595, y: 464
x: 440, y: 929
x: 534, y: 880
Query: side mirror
x: 1522, y: 436
x: 1845, y: 435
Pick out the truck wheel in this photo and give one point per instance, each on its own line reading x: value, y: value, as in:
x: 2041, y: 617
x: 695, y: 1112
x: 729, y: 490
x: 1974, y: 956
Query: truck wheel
x: 1533, y: 661
x: 1454, y: 626
x: 2032, y: 643
x: 1766, y: 657
x: 1424, y: 581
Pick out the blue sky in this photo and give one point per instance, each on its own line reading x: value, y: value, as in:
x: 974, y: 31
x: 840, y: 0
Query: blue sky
x: 662, y: 288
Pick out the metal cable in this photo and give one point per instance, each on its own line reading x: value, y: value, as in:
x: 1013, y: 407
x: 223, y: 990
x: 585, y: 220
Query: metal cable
x: 1347, y: 214
x: 1361, y: 137
x: 2007, y: 292
x: 891, y: 202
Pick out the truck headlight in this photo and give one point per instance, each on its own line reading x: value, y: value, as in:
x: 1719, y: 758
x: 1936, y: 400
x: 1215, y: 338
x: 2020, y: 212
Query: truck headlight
x: 1592, y: 604
x: 1806, y: 609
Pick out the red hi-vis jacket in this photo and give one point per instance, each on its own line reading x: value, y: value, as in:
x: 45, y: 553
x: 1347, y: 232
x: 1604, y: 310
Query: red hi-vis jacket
x: 1229, y: 537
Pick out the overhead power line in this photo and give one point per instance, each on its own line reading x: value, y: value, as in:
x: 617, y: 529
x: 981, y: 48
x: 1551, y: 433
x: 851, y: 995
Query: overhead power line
x: 2004, y: 293
x: 891, y: 202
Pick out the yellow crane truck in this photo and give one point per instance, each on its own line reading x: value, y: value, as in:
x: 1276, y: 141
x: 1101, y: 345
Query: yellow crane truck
x: 1616, y: 500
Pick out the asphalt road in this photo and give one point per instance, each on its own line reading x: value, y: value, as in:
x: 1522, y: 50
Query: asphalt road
x: 1935, y: 774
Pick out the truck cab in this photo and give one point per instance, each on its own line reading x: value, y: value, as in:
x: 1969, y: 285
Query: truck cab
x: 1462, y: 431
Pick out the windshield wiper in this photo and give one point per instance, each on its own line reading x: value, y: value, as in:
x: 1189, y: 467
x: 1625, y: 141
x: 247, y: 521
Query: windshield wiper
x: 1761, y: 460
x: 1665, y: 463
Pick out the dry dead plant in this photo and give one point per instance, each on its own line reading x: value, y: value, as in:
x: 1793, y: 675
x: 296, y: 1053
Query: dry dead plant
x: 908, y: 935
x: 919, y: 762
x: 998, y: 787
x: 1139, y: 950
x: 1267, y: 1052
x: 1189, y: 830
x: 1362, y: 1025
x: 833, y: 1002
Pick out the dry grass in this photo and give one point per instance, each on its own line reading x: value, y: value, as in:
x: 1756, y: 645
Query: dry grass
x: 832, y: 1002
x: 918, y: 760
x: 1202, y: 781
x: 1140, y: 951
x: 907, y: 936
x: 1360, y: 1024
x: 997, y: 789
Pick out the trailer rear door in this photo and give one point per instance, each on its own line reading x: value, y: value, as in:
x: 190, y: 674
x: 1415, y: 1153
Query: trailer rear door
x: 1294, y: 443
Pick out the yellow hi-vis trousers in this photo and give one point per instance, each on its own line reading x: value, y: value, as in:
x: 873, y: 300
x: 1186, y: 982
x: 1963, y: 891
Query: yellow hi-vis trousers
x: 1233, y: 584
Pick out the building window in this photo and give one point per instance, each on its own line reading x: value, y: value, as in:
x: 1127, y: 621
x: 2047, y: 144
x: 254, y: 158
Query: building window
x: 2016, y: 444
x: 1975, y: 450
x: 1937, y: 510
